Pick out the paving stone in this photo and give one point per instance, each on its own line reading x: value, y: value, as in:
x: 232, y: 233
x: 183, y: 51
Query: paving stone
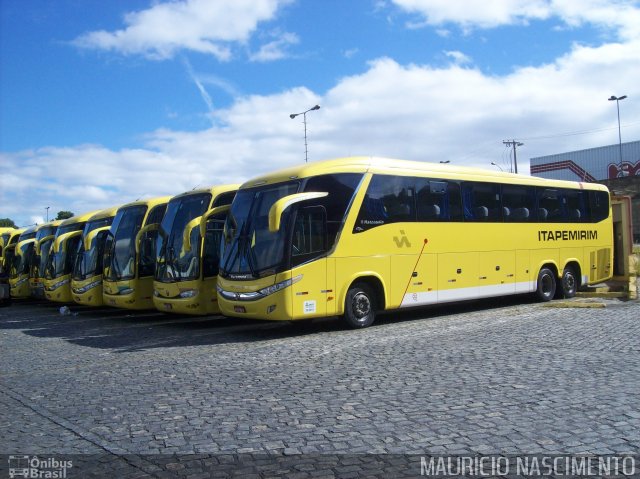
x: 133, y: 389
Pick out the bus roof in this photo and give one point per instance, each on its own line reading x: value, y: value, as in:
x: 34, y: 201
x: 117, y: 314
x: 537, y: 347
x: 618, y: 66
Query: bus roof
x: 54, y: 223
x: 362, y: 164
x: 106, y: 213
x: 214, y: 190
x: 146, y: 202
x: 78, y: 218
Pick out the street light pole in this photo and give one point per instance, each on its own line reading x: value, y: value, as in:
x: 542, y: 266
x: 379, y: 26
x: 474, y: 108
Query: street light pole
x: 47, y: 208
x: 496, y: 164
x: 304, y: 120
x: 617, y: 100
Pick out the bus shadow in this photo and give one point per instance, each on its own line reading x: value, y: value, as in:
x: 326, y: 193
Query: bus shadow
x: 123, y: 331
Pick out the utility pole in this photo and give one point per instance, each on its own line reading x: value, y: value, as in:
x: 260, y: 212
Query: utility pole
x: 514, y: 143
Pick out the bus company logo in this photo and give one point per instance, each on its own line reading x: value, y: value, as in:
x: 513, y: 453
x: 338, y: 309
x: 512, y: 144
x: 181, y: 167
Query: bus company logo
x: 402, y: 241
x: 34, y: 467
x: 567, y: 235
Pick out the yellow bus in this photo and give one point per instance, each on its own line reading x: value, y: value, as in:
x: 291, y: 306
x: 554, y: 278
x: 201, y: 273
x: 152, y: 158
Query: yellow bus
x: 354, y: 236
x: 9, y: 240
x: 129, y: 261
x: 45, y: 234
x: 187, y: 262
x: 5, y: 233
x: 21, y: 265
x: 62, y: 255
x: 86, y: 280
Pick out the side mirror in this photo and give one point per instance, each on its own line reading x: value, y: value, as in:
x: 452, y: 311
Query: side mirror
x: 143, y: 230
x: 186, y: 233
x: 60, y: 244
x: 91, y: 236
x: 280, y: 206
x: 42, y: 240
x: 212, y: 212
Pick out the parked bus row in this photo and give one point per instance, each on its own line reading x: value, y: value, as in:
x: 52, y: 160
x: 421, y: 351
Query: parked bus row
x: 348, y: 237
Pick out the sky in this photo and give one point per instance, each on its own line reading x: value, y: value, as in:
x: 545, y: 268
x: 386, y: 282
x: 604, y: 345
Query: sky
x: 103, y: 103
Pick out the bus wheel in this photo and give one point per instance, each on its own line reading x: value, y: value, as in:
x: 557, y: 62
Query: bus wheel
x: 546, y: 285
x: 569, y: 282
x: 359, y: 311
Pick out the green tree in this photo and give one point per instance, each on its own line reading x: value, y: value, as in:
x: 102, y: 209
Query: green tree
x: 63, y: 215
x: 7, y: 222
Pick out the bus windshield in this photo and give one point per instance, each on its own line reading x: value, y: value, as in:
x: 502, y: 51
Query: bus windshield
x: 40, y: 264
x: 60, y: 263
x: 21, y: 261
x: 89, y: 262
x: 174, y: 262
x: 249, y: 249
x: 120, y: 251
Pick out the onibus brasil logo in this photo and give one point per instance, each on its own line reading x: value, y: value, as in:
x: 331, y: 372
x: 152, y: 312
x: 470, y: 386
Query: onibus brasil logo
x: 35, y: 467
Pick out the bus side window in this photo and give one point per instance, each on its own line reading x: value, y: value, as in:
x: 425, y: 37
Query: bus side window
x: 389, y: 199
x: 482, y: 202
x: 576, y: 205
x: 550, y: 207
x: 438, y: 200
x: 519, y: 201
x: 598, y: 205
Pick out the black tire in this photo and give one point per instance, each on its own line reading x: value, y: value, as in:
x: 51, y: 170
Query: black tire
x: 359, y: 306
x: 569, y: 282
x: 546, y: 286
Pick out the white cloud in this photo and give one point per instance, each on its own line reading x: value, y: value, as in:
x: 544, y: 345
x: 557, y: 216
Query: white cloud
x: 622, y: 15
x: 276, y: 49
x: 204, y: 26
x: 458, y: 58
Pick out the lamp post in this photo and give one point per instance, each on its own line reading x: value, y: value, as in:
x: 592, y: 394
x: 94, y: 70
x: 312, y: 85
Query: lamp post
x: 496, y: 164
x: 47, y: 208
x: 617, y: 100
x: 304, y: 119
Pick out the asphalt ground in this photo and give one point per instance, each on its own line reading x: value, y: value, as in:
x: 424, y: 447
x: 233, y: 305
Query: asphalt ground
x: 118, y: 393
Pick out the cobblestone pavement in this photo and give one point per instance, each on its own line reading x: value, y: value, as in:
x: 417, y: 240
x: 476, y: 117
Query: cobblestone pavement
x: 131, y: 394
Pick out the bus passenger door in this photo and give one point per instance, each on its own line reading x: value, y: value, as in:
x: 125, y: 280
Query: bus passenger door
x: 308, y: 258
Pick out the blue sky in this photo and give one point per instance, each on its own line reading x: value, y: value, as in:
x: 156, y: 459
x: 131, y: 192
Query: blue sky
x: 105, y: 102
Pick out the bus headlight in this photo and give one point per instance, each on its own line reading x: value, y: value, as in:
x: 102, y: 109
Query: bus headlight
x: 189, y: 293
x: 125, y: 291
x: 19, y: 282
x: 279, y: 286
x: 263, y: 293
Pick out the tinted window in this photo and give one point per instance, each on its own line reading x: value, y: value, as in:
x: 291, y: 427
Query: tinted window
x: 549, y: 205
x: 438, y: 200
x: 576, y: 204
x: 156, y: 214
x: 519, y: 203
x: 341, y: 188
x: 389, y: 199
x: 224, y: 199
x: 599, y: 205
x: 481, y: 202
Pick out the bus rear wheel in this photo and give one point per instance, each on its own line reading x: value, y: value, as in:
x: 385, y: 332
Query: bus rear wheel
x: 546, y: 288
x: 360, y: 307
x: 569, y: 282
